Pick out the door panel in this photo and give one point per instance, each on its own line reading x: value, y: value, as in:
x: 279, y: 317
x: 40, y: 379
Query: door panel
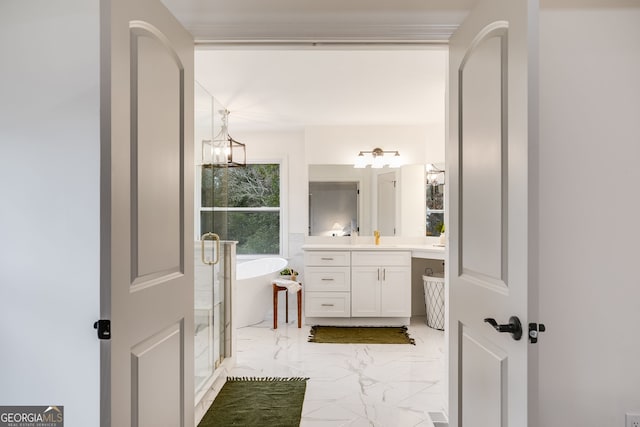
x: 156, y: 398
x: 482, y: 177
x: 491, y: 130
x: 147, y: 216
x: 387, y: 204
x: 483, y: 374
x: 157, y: 148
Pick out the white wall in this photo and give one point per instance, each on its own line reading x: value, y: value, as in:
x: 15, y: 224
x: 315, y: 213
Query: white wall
x: 49, y: 206
x: 589, y: 207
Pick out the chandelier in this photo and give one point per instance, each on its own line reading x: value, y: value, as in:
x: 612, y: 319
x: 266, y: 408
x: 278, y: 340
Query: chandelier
x: 223, y: 150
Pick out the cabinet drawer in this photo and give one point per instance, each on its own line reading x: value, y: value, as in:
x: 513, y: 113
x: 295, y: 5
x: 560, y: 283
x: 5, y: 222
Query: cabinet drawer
x: 327, y: 304
x: 327, y: 278
x: 329, y: 258
x: 380, y: 258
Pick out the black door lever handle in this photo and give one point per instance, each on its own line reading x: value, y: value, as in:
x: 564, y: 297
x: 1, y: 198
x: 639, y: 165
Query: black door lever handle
x: 514, y: 327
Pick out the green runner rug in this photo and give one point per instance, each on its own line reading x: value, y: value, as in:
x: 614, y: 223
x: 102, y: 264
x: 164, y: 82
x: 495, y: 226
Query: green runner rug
x: 258, y: 401
x: 360, y: 335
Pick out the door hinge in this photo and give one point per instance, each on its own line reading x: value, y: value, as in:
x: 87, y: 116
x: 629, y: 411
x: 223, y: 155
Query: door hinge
x: 104, y: 329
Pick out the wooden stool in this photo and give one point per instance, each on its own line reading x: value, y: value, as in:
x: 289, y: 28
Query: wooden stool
x: 277, y: 288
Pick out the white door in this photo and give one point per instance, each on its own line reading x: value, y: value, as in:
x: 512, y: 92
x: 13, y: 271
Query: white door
x: 147, y: 224
x: 492, y: 129
x: 387, y: 204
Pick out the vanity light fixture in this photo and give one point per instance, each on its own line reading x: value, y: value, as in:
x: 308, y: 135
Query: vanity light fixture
x: 376, y: 159
x: 223, y: 150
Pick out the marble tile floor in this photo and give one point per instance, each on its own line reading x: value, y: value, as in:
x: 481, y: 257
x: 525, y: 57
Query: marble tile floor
x: 381, y: 385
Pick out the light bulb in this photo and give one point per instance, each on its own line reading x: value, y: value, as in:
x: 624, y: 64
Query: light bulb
x: 395, y: 161
x: 361, y: 162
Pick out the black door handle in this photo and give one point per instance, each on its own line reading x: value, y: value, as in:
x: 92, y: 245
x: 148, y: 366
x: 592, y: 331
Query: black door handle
x: 514, y: 327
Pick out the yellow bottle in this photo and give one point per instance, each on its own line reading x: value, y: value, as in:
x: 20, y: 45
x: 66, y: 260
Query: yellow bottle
x: 376, y: 234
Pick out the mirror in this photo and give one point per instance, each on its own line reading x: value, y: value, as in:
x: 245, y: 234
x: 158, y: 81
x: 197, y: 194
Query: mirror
x: 333, y: 208
x: 389, y: 200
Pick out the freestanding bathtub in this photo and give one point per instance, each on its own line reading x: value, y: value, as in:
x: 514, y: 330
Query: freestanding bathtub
x: 254, y: 294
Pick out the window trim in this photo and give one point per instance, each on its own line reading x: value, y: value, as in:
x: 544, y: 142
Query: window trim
x: 283, y: 209
x: 232, y: 209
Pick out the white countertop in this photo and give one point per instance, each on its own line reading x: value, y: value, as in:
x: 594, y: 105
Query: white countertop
x: 430, y: 251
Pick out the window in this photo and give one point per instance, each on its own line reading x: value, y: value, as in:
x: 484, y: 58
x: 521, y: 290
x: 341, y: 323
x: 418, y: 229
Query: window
x: 243, y: 204
x: 435, y: 208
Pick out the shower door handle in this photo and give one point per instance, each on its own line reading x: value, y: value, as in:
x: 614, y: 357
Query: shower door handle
x: 216, y: 254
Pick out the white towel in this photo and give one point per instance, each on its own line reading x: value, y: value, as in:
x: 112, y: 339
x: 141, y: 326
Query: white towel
x: 291, y: 285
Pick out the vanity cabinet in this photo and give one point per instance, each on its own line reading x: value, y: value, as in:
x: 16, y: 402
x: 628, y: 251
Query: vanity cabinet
x: 357, y: 283
x: 381, y: 284
x: 327, y: 283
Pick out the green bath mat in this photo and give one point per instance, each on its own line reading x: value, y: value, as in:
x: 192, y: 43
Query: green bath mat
x: 360, y: 335
x: 247, y: 402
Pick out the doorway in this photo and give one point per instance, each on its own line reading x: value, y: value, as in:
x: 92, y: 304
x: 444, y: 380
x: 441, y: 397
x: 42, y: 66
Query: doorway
x: 345, y: 101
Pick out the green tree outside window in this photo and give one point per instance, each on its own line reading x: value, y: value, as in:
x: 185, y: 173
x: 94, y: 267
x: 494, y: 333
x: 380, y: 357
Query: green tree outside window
x: 243, y: 204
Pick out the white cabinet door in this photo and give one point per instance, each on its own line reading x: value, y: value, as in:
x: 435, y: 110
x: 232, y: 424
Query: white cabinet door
x: 381, y: 284
x: 395, y: 292
x: 380, y: 292
x: 365, y: 291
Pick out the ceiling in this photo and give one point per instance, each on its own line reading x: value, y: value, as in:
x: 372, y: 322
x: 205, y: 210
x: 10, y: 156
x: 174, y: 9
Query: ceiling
x: 288, y: 64
x: 292, y: 89
x: 319, y: 20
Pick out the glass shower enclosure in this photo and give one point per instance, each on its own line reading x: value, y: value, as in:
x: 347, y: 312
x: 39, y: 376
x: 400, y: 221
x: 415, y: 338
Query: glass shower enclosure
x: 213, y: 259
